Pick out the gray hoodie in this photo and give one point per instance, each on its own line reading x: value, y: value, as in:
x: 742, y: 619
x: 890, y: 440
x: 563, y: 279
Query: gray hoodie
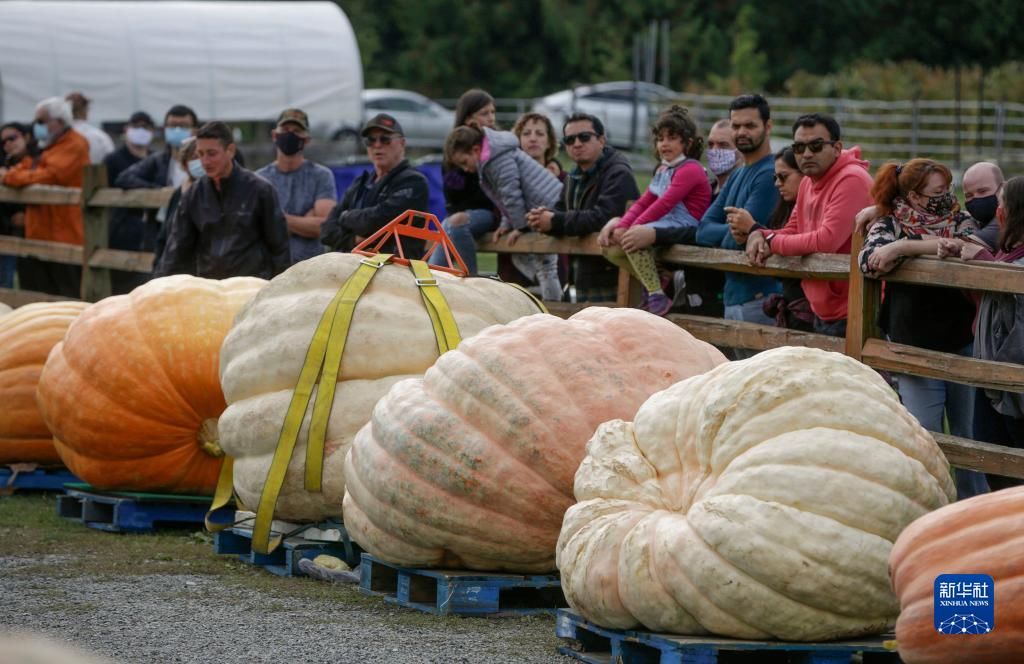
x: 513, y: 180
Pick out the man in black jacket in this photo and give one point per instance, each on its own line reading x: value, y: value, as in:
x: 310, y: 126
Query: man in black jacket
x: 378, y: 196
x: 597, y: 189
x: 229, y: 223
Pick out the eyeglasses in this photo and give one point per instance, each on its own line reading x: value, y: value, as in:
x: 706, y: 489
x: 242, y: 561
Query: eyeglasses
x: 781, y: 177
x: 583, y: 136
x: 383, y: 139
x: 814, y: 146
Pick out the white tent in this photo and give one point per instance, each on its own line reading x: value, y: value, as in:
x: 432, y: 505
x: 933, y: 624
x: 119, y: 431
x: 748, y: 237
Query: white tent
x: 230, y: 61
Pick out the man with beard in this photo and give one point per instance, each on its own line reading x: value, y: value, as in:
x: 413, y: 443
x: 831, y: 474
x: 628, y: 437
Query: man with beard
x: 750, y: 188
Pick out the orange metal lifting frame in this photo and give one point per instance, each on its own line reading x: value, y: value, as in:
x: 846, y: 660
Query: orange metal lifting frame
x: 418, y: 225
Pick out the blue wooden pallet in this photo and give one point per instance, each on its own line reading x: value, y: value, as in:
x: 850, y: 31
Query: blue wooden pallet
x: 284, y: 560
x: 124, y: 512
x: 38, y: 479
x: 448, y: 592
x: 603, y: 646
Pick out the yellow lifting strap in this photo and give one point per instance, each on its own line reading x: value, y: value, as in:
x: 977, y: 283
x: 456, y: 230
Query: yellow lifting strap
x: 222, y: 494
x: 536, y: 300
x: 446, y: 331
x: 323, y: 360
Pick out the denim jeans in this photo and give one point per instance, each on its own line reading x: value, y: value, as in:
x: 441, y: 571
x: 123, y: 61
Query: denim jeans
x: 750, y: 312
x: 8, y: 266
x: 464, y: 237
x: 928, y: 399
x: 542, y: 268
x: 836, y: 328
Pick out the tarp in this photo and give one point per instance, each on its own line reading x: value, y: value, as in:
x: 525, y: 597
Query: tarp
x: 233, y: 61
x: 346, y: 174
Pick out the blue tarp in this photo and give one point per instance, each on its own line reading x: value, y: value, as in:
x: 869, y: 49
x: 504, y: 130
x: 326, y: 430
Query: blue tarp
x: 345, y: 175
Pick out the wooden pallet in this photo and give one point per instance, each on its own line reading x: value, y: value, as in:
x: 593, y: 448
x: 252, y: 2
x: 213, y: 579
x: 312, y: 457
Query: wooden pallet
x: 598, y: 645
x: 29, y: 477
x: 129, y: 512
x: 448, y: 592
x: 284, y: 560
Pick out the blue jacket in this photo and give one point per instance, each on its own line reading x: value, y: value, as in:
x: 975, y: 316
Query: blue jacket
x: 753, y: 189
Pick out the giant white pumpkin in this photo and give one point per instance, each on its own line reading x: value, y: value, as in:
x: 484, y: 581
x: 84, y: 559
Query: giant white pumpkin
x: 391, y: 338
x: 472, y: 465
x: 759, y: 500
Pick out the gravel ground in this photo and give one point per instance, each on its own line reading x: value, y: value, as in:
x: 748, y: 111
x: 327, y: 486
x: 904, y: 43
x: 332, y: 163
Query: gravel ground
x: 187, y: 618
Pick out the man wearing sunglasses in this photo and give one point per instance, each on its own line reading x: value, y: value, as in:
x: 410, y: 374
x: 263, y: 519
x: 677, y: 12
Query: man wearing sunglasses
x: 596, y: 190
x: 836, y: 188
x: 379, y: 195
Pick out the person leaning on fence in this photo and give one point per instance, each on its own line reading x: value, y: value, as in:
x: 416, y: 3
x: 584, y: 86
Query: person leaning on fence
x: 378, y: 195
x: 677, y: 197
x: 306, y: 190
x: 515, y: 183
x: 982, y: 184
x: 999, y: 415
x: 596, y: 190
x: 471, y: 213
x: 722, y: 155
x: 128, y: 225
x: 229, y: 223
x: 918, y: 208
x: 65, y: 153
x: 837, y: 186
x: 18, y: 143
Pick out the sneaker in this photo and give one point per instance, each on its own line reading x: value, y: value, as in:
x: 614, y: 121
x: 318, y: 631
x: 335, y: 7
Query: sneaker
x: 679, y: 288
x: 657, y: 304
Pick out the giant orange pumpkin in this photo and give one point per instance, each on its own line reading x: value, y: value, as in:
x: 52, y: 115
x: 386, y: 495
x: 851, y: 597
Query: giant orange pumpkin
x: 472, y: 465
x: 980, y: 535
x: 132, y: 395
x: 27, y: 336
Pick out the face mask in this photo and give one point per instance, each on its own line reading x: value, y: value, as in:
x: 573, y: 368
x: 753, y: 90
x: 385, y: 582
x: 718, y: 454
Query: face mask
x: 289, y: 143
x: 41, y: 132
x: 195, y: 169
x: 721, y: 160
x: 983, y: 209
x: 941, y: 205
x: 139, y: 136
x: 174, y: 136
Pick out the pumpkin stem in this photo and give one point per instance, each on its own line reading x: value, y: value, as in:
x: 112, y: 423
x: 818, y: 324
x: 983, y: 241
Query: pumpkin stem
x: 208, y: 439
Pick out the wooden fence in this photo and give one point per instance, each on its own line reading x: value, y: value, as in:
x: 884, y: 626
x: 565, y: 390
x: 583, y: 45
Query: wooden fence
x: 863, y: 341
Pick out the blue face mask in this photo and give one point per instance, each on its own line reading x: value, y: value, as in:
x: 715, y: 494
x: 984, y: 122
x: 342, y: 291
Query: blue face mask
x: 195, y: 169
x: 41, y: 132
x: 174, y: 136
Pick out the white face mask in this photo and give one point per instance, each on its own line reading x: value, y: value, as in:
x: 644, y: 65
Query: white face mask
x: 139, y: 136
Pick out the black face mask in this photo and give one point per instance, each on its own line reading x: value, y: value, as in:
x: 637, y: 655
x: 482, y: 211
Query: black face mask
x: 289, y: 143
x: 983, y: 209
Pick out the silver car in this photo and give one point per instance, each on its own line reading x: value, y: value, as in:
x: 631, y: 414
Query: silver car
x: 425, y: 122
x: 612, y: 103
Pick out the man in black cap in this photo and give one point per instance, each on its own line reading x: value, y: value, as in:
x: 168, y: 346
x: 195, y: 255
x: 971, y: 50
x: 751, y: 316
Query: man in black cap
x: 305, y: 189
x: 128, y: 225
x: 378, y: 196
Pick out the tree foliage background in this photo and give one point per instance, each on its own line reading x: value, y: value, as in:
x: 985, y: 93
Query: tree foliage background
x: 528, y: 48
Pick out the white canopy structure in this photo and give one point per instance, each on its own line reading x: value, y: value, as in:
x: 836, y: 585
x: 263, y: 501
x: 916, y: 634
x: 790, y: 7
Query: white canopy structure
x: 233, y: 61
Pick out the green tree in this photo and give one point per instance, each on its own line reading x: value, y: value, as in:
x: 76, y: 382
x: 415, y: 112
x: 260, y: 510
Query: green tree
x: 749, y: 64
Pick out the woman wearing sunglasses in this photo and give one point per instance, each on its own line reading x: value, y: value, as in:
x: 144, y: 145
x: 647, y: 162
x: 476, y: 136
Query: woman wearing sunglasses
x: 18, y: 143
x: 678, y: 196
x: 919, y: 210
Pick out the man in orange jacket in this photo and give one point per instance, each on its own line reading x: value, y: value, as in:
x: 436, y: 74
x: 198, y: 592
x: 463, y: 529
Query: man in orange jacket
x: 65, y: 154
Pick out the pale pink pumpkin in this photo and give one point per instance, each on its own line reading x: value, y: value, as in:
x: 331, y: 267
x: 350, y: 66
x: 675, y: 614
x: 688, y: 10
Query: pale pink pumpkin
x: 472, y: 465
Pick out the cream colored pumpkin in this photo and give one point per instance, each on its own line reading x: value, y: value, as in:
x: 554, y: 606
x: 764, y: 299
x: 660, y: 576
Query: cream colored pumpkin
x: 472, y: 465
x: 760, y: 500
x: 391, y: 338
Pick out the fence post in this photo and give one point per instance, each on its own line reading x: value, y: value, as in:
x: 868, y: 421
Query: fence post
x: 862, y: 305
x: 95, y: 281
x: 915, y: 126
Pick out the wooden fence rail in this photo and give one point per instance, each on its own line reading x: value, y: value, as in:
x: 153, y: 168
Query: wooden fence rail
x: 863, y: 341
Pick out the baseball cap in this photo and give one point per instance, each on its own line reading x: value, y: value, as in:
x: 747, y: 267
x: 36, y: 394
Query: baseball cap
x: 382, y: 121
x: 141, y: 117
x: 295, y: 116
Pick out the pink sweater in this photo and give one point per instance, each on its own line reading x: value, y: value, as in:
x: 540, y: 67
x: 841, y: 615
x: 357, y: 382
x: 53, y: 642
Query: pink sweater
x: 689, y: 186
x: 822, y: 222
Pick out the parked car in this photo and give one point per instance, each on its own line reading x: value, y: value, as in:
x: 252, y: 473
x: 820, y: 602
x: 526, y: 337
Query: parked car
x: 613, y: 103
x: 425, y: 122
